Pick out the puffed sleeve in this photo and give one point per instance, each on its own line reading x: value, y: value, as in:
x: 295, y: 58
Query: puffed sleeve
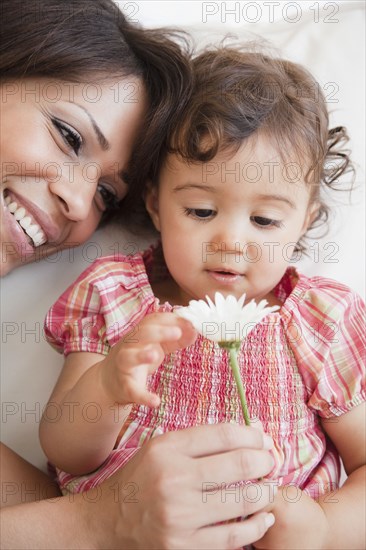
x: 329, y: 346
x: 101, y: 306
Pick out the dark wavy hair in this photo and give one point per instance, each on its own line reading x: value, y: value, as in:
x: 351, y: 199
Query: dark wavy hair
x: 91, y: 40
x: 240, y: 92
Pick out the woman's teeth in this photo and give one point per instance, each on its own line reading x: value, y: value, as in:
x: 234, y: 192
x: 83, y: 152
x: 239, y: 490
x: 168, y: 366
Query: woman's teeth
x: 33, y: 230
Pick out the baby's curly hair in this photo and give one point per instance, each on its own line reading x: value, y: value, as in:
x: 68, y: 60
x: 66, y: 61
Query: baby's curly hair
x: 238, y: 92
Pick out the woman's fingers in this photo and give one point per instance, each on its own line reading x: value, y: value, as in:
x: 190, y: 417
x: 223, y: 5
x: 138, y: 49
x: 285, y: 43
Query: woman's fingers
x: 208, y: 440
x: 186, y: 488
x: 254, y: 463
x: 221, y: 502
x: 232, y: 536
x: 206, y: 483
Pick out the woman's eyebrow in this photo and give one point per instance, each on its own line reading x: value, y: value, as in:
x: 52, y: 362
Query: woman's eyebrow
x: 102, y: 140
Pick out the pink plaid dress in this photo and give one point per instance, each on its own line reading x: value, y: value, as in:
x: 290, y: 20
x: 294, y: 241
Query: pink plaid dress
x: 300, y: 364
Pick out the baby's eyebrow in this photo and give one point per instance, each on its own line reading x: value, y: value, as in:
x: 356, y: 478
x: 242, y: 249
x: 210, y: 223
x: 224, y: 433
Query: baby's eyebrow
x: 280, y: 198
x: 198, y: 186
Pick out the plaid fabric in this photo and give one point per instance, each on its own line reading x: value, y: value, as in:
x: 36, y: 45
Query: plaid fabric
x: 300, y: 364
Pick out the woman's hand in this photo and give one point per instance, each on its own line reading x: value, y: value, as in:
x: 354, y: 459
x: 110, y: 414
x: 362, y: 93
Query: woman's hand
x: 160, y: 499
x: 174, y: 492
x: 125, y: 370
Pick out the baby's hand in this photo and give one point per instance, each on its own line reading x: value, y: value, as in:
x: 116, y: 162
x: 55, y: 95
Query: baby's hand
x: 300, y: 522
x: 125, y: 370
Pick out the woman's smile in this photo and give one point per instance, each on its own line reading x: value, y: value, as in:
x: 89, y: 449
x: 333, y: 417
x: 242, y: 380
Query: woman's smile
x: 33, y: 221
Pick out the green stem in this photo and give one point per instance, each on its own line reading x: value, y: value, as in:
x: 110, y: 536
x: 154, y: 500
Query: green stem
x: 233, y: 348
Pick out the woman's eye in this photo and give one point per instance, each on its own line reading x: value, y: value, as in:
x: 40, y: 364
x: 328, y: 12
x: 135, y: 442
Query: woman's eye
x: 70, y: 136
x: 200, y: 213
x: 265, y: 222
x: 108, y: 196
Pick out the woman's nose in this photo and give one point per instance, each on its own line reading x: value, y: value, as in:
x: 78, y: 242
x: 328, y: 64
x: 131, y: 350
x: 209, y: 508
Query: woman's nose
x: 75, y: 194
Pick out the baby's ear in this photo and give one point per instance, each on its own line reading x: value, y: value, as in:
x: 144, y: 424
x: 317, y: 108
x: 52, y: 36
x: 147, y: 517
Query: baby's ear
x: 152, y: 204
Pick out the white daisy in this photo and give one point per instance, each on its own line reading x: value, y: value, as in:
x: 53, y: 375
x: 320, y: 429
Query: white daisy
x: 226, y: 320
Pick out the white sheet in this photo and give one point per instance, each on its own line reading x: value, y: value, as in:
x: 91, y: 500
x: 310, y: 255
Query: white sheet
x: 328, y: 38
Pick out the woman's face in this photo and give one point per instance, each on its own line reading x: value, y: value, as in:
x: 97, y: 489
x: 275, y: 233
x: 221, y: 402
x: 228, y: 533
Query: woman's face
x: 64, y: 148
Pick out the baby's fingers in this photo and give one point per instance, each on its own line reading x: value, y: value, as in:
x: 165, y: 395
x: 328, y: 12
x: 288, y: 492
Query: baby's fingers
x: 140, y: 395
x: 148, y: 399
x: 158, y: 333
x: 152, y: 356
x: 166, y: 329
x: 187, y: 337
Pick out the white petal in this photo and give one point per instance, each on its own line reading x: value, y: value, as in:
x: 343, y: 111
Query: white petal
x: 225, y: 319
x: 210, y: 302
x: 231, y: 303
x: 241, y: 300
x: 219, y: 299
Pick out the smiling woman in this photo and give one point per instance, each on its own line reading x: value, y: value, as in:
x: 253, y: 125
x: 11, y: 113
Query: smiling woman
x: 73, y: 106
x: 63, y: 162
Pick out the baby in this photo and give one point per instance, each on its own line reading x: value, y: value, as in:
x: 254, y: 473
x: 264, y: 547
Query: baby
x: 233, y: 197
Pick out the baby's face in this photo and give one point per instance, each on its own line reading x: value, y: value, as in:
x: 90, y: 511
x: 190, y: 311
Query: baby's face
x: 230, y: 225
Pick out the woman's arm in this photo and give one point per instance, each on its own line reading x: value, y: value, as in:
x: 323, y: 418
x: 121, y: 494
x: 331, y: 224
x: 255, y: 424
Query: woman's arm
x: 167, y: 496
x: 21, y: 481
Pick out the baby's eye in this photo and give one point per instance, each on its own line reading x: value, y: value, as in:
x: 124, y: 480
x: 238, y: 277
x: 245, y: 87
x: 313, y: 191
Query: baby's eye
x: 200, y: 213
x: 108, y: 197
x: 265, y: 222
x: 71, y: 137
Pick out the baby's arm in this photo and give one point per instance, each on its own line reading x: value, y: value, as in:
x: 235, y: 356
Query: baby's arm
x: 346, y: 517
x: 337, y: 520
x: 82, y: 420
